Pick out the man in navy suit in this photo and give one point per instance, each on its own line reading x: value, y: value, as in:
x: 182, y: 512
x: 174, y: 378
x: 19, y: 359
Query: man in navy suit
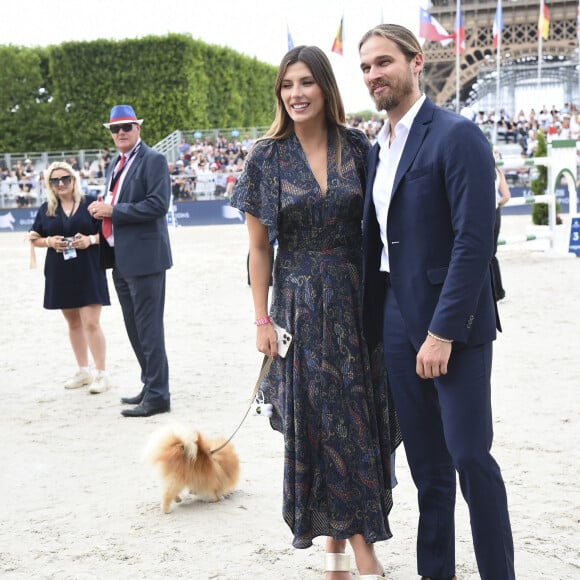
x: 135, y: 243
x: 428, y: 241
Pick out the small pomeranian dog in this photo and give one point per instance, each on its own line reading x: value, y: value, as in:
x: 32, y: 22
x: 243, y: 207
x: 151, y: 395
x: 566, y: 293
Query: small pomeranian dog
x: 184, y: 459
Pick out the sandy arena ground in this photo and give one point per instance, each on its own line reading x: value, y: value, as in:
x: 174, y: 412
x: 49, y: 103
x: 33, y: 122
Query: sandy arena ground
x: 78, y: 503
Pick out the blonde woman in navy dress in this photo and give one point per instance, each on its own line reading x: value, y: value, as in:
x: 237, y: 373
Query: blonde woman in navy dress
x: 74, y: 282
x: 303, y: 186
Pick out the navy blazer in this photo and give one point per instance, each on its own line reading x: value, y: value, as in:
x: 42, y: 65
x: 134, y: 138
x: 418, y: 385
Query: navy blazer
x: 440, y: 232
x: 140, y: 217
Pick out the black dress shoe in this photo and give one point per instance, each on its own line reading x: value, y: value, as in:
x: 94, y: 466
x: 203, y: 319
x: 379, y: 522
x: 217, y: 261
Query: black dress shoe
x: 146, y: 410
x: 132, y: 400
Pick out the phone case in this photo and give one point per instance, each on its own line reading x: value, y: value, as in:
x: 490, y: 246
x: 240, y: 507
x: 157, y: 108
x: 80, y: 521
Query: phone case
x: 284, y: 339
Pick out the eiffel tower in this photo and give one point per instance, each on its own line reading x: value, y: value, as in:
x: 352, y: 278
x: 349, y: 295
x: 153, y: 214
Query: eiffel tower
x: 519, y: 49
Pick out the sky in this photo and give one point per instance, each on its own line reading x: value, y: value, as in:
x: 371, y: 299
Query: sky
x: 257, y: 28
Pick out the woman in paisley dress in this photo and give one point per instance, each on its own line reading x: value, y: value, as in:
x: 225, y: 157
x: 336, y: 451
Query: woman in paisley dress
x: 303, y: 185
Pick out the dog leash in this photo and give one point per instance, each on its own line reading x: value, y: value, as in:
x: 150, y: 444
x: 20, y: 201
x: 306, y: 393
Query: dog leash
x: 266, y: 363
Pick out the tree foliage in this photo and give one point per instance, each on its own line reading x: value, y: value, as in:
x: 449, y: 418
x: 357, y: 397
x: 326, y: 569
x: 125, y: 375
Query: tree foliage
x: 539, y: 185
x: 24, y: 102
x: 59, y: 97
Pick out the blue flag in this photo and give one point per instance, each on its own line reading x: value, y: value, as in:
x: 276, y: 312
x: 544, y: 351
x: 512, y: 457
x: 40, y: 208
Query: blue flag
x: 290, y: 41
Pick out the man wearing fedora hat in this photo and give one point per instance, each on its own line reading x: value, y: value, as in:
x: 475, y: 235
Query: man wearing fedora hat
x: 134, y: 242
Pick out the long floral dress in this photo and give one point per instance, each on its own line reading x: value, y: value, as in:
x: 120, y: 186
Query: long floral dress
x: 332, y: 409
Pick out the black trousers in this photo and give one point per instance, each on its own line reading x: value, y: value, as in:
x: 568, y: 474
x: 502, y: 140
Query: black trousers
x: 142, y: 300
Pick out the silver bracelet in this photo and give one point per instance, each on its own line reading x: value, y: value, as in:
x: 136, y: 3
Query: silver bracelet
x: 439, y: 338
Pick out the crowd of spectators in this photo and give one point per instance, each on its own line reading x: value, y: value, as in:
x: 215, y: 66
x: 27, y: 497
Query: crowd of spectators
x: 370, y: 127
x: 204, y: 170
x: 22, y: 185
x: 502, y: 129
x: 522, y: 129
x: 207, y: 169
x: 21, y: 181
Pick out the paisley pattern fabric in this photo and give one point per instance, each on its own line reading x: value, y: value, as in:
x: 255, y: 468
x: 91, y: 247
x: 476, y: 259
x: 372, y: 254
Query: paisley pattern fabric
x: 330, y: 402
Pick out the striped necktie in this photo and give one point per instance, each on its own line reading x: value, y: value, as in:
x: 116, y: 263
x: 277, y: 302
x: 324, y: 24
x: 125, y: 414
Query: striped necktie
x: 107, y: 227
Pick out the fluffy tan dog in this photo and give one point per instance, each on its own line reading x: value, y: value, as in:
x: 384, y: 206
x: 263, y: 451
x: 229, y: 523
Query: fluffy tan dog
x: 184, y: 459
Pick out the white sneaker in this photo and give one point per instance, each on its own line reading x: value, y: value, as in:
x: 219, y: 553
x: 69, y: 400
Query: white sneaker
x: 100, y: 385
x: 81, y: 379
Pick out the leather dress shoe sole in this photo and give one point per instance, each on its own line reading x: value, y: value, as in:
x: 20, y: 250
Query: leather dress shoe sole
x: 132, y: 400
x: 146, y: 410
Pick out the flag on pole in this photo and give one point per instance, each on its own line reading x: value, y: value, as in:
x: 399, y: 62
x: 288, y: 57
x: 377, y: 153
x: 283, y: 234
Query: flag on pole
x: 337, y: 44
x: 578, y: 23
x: 459, y: 33
x: 497, y: 24
x: 290, y: 41
x: 431, y: 29
x: 544, y: 23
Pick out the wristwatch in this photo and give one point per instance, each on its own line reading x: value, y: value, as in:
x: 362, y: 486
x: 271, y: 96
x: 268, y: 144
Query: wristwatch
x: 92, y: 239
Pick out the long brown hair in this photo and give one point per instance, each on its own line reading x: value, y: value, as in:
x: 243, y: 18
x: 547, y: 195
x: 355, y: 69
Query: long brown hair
x: 321, y: 70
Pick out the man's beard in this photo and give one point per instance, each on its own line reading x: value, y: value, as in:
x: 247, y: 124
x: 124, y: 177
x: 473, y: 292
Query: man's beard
x: 386, y: 102
x: 398, y: 90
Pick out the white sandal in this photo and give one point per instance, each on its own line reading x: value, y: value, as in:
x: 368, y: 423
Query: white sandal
x: 336, y: 562
x: 370, y: 577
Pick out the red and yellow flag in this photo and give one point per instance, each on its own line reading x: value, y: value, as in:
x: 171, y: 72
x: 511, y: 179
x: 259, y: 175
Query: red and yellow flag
x: 337, y: 44
x: 544, y: 23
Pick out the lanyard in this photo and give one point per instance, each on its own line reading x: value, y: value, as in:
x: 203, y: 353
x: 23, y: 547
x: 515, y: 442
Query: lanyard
x: 117, y: 175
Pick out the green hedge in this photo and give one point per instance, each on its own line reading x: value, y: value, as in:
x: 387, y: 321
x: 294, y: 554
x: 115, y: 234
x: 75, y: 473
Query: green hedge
x: 58, y: 97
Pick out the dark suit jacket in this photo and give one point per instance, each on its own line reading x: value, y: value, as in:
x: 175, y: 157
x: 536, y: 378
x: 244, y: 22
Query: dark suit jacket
x: 140, y: 217
x: 440, y: 231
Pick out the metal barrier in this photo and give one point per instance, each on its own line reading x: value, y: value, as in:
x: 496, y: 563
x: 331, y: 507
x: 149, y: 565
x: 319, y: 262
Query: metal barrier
x: 24, y: 193
x: 525, y: 238
x: 42, y: 159
x: 561, y: 160
x: 169, y: 146
x: 550, y: 199
x: 21, y: 194
x: 204, y: 186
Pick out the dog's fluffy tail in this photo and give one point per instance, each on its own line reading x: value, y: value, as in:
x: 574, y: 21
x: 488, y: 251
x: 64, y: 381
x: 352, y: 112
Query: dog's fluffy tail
x: 171, y: 447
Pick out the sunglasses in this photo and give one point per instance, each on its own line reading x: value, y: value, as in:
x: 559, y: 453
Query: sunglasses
x: 127, y: 128
x: 65, y: 180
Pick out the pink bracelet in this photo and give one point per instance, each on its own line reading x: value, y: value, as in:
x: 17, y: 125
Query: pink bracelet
x: 263, y: 321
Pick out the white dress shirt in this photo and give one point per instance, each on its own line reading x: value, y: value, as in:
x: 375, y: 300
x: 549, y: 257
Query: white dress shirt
x: 389, y: 157
x: 109, y: 198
